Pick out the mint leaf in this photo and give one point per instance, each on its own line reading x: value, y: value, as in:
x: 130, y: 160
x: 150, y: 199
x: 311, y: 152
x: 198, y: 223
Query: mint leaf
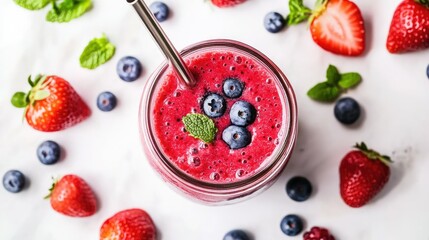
x: 68, y: 10
x: 324, y: 91
x: 97, y: 52
x: 200, y: 126
x: 298, y: 12
x: 32, y: 4
x: 349, y: 80
x: 332, y: 74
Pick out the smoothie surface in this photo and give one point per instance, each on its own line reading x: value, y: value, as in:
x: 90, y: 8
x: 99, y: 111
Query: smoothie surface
x: 216, y: 162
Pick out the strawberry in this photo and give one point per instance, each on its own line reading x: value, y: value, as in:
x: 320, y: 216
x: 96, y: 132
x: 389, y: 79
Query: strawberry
x: 131, y: 224
x: 52, y: 104
x: 336, y: 25
x: 409, y: 29
x: 363, y: 173
x: 73, y: 197
x: 226, y: 3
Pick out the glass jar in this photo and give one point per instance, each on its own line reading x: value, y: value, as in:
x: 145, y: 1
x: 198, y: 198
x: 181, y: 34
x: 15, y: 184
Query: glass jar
x: 230, y: 192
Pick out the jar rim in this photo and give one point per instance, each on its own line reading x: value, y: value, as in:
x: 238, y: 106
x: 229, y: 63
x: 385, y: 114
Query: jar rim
x: 279, y: 157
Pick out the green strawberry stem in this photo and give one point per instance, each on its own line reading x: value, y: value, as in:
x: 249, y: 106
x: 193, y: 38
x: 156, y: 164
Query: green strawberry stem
x: 54, y: 182
x: 373, y: 155
x: 423, y: 2
x: 37, y: 92
x: 299, y: 12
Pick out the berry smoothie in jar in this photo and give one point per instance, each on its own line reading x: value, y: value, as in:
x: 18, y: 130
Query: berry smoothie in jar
x: 231, y: 134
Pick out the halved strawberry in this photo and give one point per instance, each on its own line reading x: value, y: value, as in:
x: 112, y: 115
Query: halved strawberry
x: 336, y: 25
x: 52, y: 104
x: 226, y: 3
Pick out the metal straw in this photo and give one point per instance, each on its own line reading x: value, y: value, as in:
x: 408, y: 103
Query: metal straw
x: 164, y: 43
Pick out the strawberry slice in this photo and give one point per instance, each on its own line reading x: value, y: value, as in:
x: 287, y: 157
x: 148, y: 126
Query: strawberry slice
x: 52, y: 104
x: 336, y: 25
x: 339, y: 28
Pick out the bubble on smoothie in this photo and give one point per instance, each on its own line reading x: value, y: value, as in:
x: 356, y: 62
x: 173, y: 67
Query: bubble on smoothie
x: 268, y: 81
x: 194, y: 161
x: 243, y: 153
x: 258, y: 99
x: 214, y: 176
x: 167, y: 124
x: 166, y: 133
x: 203, y: 145
x: 238, y: 59
x: 224, y: 64
x: 278, y: 125
x: 176, y: 94
x: 232, y: 68
x: 276, y: 141
x: 217, y: 85
x: 251, y: 66
x: 269, y: 138
x: 244, y: 161
x: 239, y: 173
x: 222, y: 57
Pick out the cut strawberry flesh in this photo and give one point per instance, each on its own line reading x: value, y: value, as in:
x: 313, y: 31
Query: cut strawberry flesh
x: 339, y: 28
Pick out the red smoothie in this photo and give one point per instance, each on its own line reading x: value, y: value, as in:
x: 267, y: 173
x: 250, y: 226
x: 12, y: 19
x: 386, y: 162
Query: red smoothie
x: 216, y: 161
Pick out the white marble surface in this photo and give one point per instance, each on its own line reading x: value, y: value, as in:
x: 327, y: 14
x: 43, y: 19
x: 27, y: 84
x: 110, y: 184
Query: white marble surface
x: 105, y: 149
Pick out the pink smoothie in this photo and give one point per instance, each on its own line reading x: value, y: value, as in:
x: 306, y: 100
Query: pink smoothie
x: 216, y: 162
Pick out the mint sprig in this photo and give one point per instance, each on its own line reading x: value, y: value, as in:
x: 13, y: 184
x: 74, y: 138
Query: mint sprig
x: 32, y: 4
x: 68, y: 10
x: 297, y: 12
x: 97, y: 52
x: 334, y: 85
x: 200, y: 126
x: 62, y: 10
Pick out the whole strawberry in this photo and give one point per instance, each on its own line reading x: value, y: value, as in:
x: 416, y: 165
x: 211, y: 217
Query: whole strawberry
x: 409, y: 29
x: 131, y: 224
x: 73, y: 197
x: 336, y: 25
x: 226, y: 3
x: 363, y: 173
x: 51, y: 105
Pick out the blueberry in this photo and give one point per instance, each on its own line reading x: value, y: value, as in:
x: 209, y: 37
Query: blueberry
x: 299, y: 189
x: 233, y: 88
x: 427, y: 71
x: 49, y: 152
x: 214, y: 105
x: 129, y: 68
x: 13, y: 181
x: 106, y: 101
x: 160, y: 11
x: 347, y: 110
x: 236, y: 235
x: 274, y: 22
x: 242, y: 113
x: 236, y: 137
x: 291, y: 225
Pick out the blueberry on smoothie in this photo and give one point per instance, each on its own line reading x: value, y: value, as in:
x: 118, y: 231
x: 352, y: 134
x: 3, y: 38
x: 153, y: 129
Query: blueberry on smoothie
x: 214, y: 105
x: 274, y: 22
x: 347, y: 110
x: 14, y: 181
x: 242, y: 113
x: 160, y: 11
x: 291, y: 225
x: 233, y: 88
x: 299, y: 189
x: 236, y: 235
x: 48, y: 152
x: 236, y: 137
x: 106, y: 101
x: 129, y: 68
